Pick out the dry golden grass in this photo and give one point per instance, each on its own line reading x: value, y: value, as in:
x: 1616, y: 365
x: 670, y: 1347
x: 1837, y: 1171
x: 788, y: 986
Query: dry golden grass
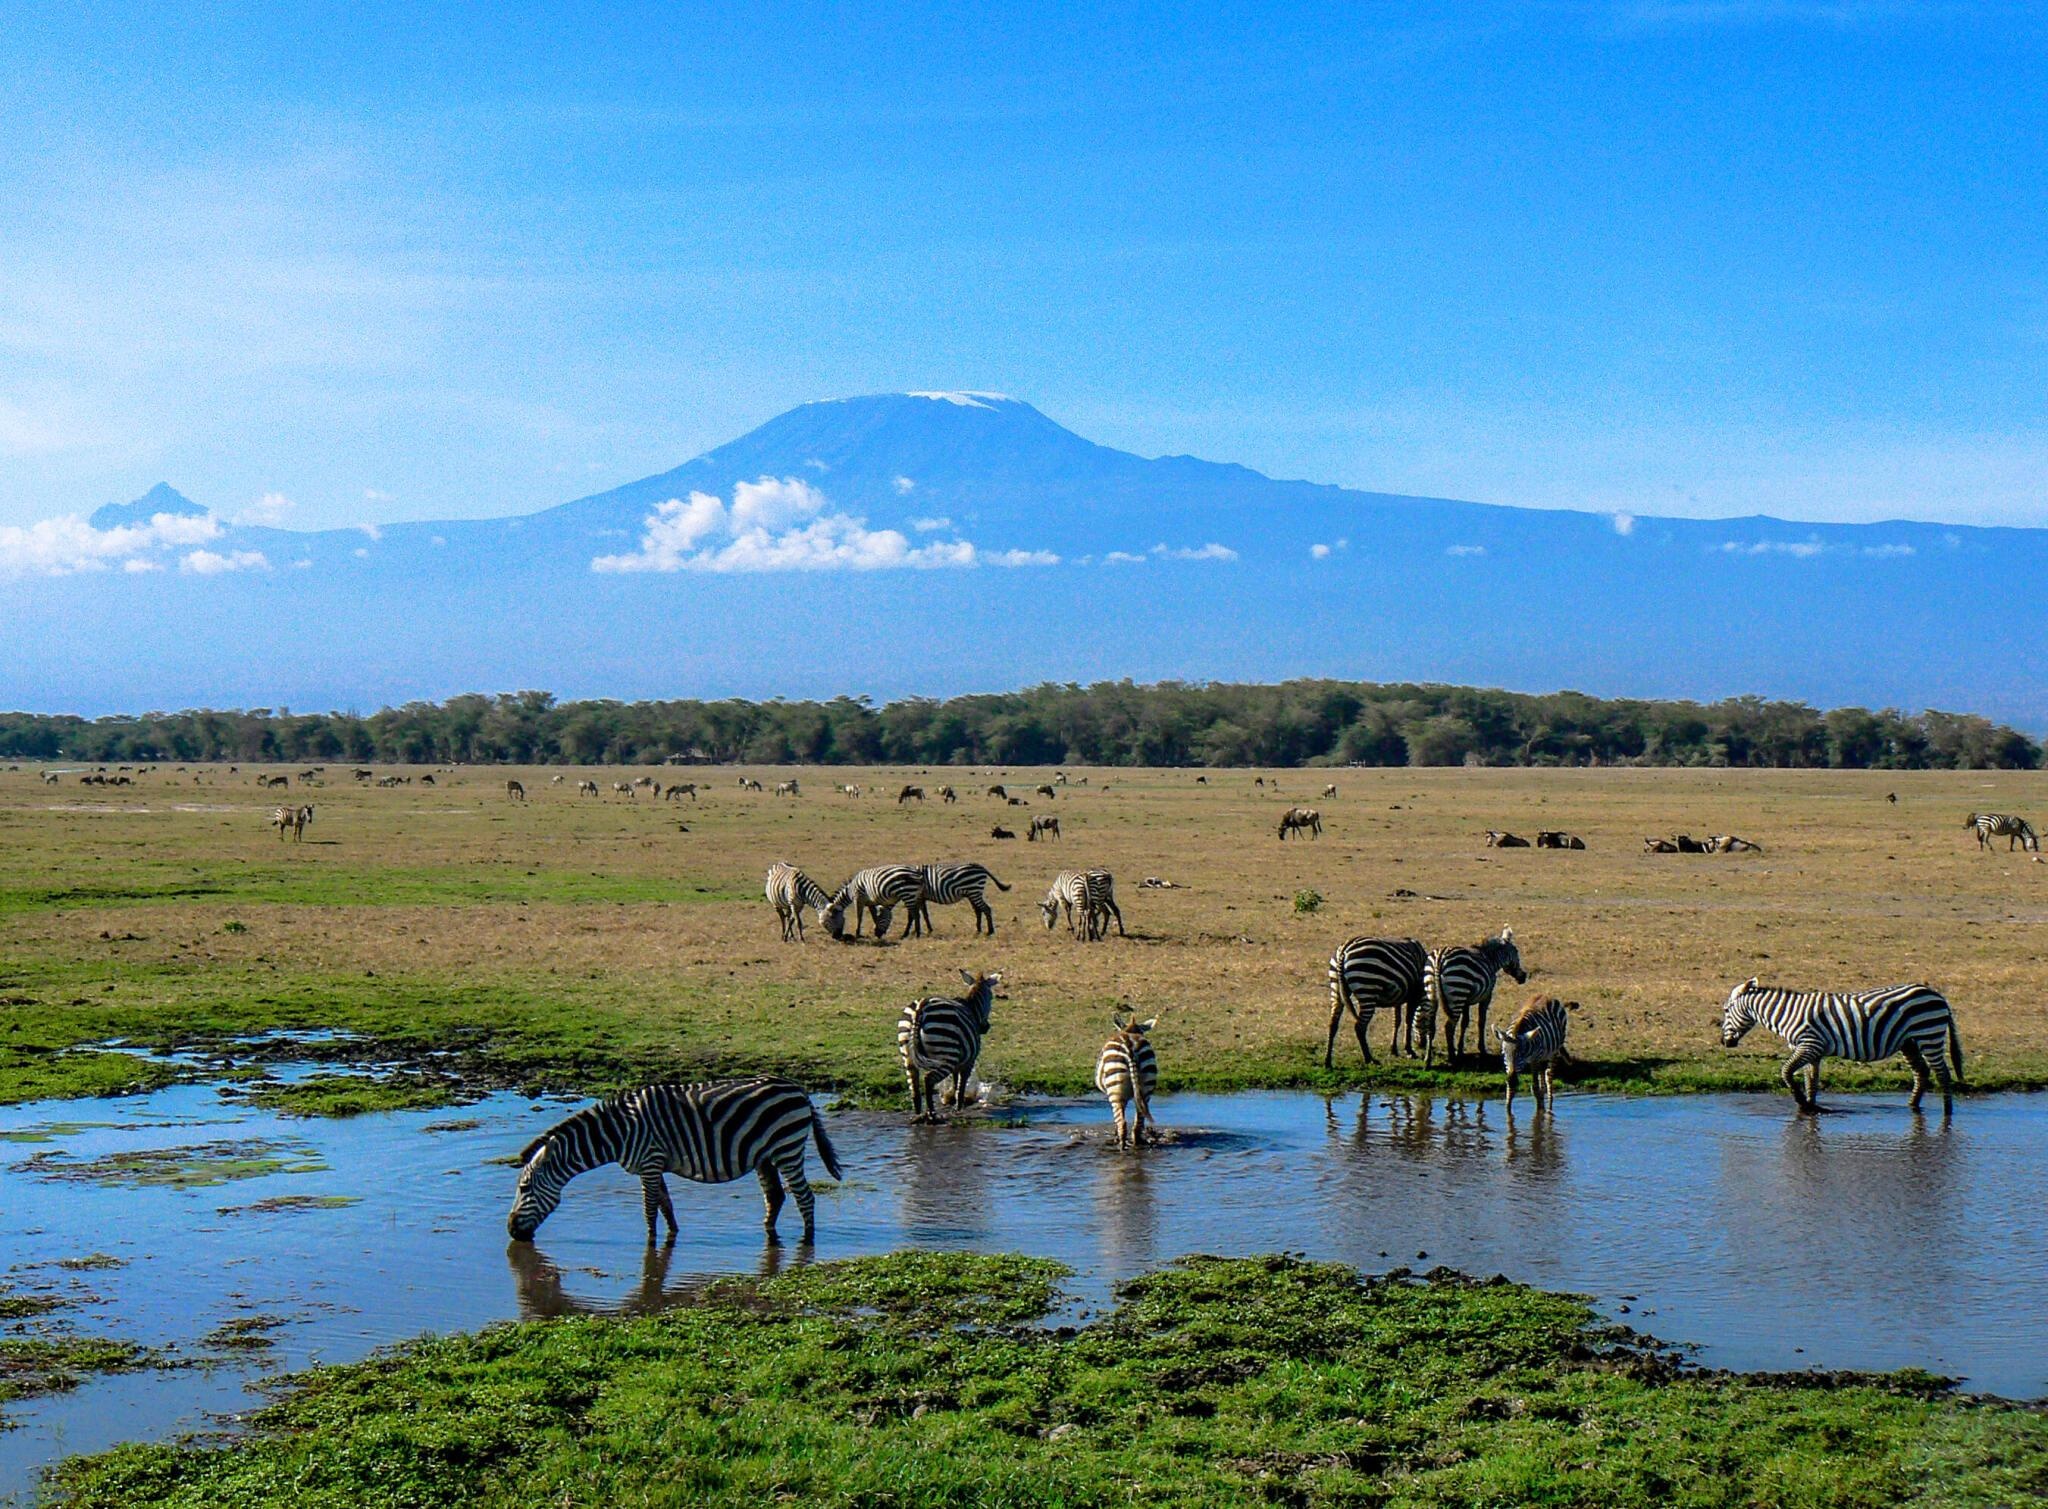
x: 651, y: 922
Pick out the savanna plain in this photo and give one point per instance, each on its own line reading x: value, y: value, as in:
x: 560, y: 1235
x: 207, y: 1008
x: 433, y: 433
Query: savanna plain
x: 463, y: 939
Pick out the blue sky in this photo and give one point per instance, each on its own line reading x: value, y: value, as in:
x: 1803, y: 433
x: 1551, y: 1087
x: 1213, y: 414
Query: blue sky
x: 371, y: 264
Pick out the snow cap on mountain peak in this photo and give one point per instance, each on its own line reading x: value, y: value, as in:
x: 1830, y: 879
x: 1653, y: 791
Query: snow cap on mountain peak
x: 966, y: 400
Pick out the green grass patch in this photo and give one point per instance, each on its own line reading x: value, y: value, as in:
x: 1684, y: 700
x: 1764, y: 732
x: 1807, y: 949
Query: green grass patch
x: 910, y: 1380
x: 278, y: 1204
x: 196, y: 1167
x: 243, y: 1333
x: 340, y: 1095
x: 31, y: 1366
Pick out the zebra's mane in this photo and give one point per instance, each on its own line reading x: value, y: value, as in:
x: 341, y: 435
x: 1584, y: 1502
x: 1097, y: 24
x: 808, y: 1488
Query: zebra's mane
x: 1532, y: 1008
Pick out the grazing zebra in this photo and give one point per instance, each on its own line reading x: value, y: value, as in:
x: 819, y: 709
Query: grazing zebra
x: 2014, y: 830
x: 514, y: 791
x: 910, y: 794
x: 1127, y: 1071
x: 1866, y: 1026
x: 1043, y: 827
x: 713, y: 1133
x: 939, y: 1037
x: 1301, y: 820
x: 1496, y: 839
x: 1088, y: 897
x: 878, y: 891
x: 1458, y: 981
x: 950, y: 884
x: 789, y: 891
x: 1534, y: 1043
x: 1375, y: 974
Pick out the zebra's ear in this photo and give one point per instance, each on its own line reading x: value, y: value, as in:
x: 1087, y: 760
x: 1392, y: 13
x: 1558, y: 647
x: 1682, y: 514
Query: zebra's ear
x: 1148, y: 1024
x: 1119, y: 1020
x: 1507, y: 935
x: 967, y: 975
x: 1751, y: 984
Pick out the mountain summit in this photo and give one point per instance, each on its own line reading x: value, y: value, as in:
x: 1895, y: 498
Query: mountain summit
x: 940, y: 542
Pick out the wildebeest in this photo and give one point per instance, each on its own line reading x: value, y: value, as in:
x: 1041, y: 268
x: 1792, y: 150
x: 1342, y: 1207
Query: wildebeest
x: 1496, y: 839
x: 1018, y: 801
x: 514, y: 791
x: 948, y: 794
x: 1201, y: 780
x: 1551, y: 838
x: 1048, y: 827
x: 1000, y: 792
x: 273, y: 780
x: 787, y: 788
x: 1728, y: 843
x: 1659, y: 846
x: 1687, y: 844
x: 1047, y: 790
x: 1330, y: 790
x: 586, y: 788
x: 999, y: 831
x: 1299, y: 820
x: 688, y: 789
x: 1892, y: 797
x: 910, y: 794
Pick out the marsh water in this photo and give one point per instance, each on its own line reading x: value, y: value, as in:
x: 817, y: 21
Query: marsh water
x: 1868, y: 1238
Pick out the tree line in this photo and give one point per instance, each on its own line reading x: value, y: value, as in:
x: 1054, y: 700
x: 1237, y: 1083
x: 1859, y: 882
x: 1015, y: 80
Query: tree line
x: 1110, y: 723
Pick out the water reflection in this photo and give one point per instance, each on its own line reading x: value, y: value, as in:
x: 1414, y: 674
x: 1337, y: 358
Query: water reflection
x: 944, y: 1185
x: 540, y: 1285
x: 1126, y: 1222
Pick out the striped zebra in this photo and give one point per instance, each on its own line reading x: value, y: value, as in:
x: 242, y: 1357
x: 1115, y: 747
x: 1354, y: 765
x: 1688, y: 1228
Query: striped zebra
x: 1533, y: 1043
x: 789, y: 891
x: 713, y: 1133
x: 1088, y: 898
x: 1866, y: 1026
x: 2014, y: 830
x: 291, y: 820
x: 1375, y: 974
x: 1127, y: 1071
x: 1459, y: 981
x: 950, y: 884
x: 939, y: 1038
x: 878, y: 891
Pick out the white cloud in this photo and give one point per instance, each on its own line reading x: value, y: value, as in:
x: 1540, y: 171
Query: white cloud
x: 135, y: 565
x: 1798, y: 549
x: 362, y: 552
x: 302, y: 565
x: 816, y: 465
x: 776, y: 525
x: 68, y: 545
x: 373, y: 495
x: 1624, y: 524
x: 1123, y: 558
x: 214, y: 563
x: 1210, y: 552
x: 271, y: 508
x: 1886, y: 551
x: 1319, y: 552
x: 1466, y: 550
x: 437, y: 541
x: 926, y: 526
x: 904, y: 486
x: 1023, y: 558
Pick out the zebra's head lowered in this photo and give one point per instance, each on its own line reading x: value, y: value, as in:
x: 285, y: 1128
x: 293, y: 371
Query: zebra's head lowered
x: 1505, y: 956
x: 548, y: 1163
x: 1739, y: 1014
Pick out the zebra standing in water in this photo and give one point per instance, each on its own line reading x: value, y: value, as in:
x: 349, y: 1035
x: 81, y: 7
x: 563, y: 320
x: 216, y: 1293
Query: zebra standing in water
x: 2014, y: 830
x: 1534, y: 1042
x: 1127, y: 1071
x: 1374, y: 974
x: 712, y: 1133
x: 878, y: 891
x: 1458, y: 981
x: 939, y: 1037
x: 789, y: 891
x: 950, y: 884
x: 1867, y: 1026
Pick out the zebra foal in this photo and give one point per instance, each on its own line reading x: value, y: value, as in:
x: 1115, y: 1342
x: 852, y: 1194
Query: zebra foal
x: 712, y: 1133
x: 1375, y: 974
x: 1127, y: 1072
x: 1533, y: 1043
x: 1865, y: 1026
x: 939, y: 1038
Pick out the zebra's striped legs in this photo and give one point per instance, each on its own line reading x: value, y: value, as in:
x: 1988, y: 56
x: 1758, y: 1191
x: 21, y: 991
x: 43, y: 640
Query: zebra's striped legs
x: 806, y: 1202
x: 959, y: 1089
x: 983, y: 915
x: 1921, y: 1065
x: 771, y: 1197
x: 1116, y: 1109
x: 654, y: 1202
x: 1808, y: 1061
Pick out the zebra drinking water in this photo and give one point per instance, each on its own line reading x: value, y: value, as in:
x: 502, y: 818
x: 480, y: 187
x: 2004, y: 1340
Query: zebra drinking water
x: 789, y: 891
x: 1374, y: 974
x: 1866, y: 1026
x: 1534, y: 1042
x: 712, y: 1133
x: 1459, y: 981
x: 1127, y: 1071
x: 939, y: 1038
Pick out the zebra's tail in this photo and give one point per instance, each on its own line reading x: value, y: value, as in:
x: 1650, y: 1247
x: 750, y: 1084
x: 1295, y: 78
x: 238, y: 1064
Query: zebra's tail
x: 997, y: 884
x: 1340, y: 994
x: 826, y: 1152
x: 1955, y: 1046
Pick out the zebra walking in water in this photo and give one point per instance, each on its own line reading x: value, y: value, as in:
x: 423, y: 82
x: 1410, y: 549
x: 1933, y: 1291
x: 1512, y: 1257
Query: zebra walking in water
x: 712, y: 1133
x: 1375, y: 974
x: 1127, y: 1071
x: 2014, y: 830
x: 1458, y: 982
x: 1534, y: 1043
x: 789, y: 891
x: 878, y: 891
x: 950, y: 884
x: 1866, y: 1026
x: 939, y: 1038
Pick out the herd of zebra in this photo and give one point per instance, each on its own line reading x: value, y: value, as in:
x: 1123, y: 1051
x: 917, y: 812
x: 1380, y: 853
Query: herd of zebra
x: 1087, y: 899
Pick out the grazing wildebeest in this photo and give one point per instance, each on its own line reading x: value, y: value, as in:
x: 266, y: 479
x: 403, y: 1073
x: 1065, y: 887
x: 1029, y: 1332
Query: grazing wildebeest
x: 514, y: 791
x: 1049, y: 791
x: 787, y: 788
x: 1551, y: 838
x: 1496, y: 839
x: 1299, y: 820
x: 1892, y: 797
x: 910, y: 794
x: 1000, y: 792
x: 948, y: 794
x: 1330, y: 790
x: 273, y: 780
x: 587, y: 788
x: 1201, y: 780
x: 1048, y: 827
x: 999, y: 831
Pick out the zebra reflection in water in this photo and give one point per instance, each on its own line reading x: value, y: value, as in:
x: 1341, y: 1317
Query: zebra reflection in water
x: 539, y: 1285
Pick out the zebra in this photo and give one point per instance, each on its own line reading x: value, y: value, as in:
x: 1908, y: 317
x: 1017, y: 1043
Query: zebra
x: 939, y: 1037
x: 1301, y: 820
x: 586, y: 788
x: 1373, y: 974
x: 1127, y: 1071
x: 1457, y: 981
x: 789, y: 891
x: 2014, y: 830
x: 1088, y: 897
x: 1866, y: 1026
x: 712, y: 1132
x: 1043, y: 827
x: 1534, y: 1043
x: 291, y: 820
x: 950, y: 884
x: 878, y: 891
